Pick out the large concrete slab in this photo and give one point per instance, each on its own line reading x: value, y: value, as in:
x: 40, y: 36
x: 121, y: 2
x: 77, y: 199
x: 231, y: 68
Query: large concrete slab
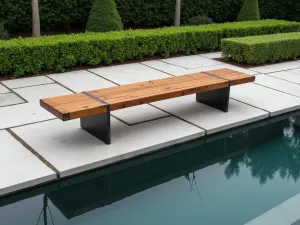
x: 265, y: 98
x: 129, y: 73
x: 287, y: 213
x: 276, y: 67
x: 25, y: 82
x: 10, y: 99
x: 22, y: 114
x: 287, y: 75
x: 3, y: 89
x: 82, y: 80
x: 19, y: 167
x: 190, y: 62
x: 72, y: 150
x: 211, y: 119
x: 35, y: 93
x: 139, y: 114
x: 278, y: 84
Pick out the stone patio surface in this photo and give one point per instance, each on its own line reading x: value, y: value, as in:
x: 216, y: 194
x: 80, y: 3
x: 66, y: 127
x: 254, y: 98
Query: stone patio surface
x: 37, y: 148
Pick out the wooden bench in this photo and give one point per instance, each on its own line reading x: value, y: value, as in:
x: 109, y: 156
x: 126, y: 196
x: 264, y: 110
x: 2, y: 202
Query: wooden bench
x: 93, y: 108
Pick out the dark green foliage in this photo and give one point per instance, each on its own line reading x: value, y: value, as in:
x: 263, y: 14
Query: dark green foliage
x: 104, y: 17
x: 3, y: 32
x: 31, y: 55
x: 200, y: 20
x: 249, y: 11
x: 75, y: 13
x: 280, y: 9
x: 262, y: 49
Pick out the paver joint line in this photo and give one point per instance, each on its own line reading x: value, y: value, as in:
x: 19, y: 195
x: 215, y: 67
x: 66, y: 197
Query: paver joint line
x: 103, y: 77
x: 12, y: 91
x: 22, y: 142
x: 56, y: 82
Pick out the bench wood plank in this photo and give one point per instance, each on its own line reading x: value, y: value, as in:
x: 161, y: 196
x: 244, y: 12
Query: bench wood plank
x: 234, y: 76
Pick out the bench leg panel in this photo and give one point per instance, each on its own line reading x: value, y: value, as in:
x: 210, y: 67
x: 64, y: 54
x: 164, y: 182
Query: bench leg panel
x: 218, y: 99
x: 98, y: 126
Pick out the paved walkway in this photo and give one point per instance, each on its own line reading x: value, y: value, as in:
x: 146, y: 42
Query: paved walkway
x: 37, y: 148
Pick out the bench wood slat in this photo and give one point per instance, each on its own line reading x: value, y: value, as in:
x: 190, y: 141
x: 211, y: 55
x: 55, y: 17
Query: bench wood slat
x: 234, y: 76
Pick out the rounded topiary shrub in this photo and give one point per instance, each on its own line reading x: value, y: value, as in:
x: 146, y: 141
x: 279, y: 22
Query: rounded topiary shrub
x: 249, y: 11
x: 104, y: 17
x: 3, y: 32
x: 199, y: 20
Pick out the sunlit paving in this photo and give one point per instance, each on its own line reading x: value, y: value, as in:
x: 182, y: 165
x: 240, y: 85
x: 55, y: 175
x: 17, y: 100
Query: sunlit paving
x: 140, y: 112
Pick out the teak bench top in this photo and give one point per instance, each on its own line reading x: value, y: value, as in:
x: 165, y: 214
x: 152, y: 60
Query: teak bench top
x: 86, y: 104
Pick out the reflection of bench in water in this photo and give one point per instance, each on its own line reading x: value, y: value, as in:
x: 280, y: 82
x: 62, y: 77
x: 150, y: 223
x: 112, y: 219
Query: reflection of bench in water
x: 108, y: 188
x: 148, y: 171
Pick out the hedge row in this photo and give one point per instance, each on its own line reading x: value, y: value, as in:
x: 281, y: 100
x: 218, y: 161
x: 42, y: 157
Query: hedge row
x: 31, y: 55
x: 262, y: 49
x: 74, y: 13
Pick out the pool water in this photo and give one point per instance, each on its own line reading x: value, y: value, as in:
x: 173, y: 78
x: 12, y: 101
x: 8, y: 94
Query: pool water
x: 231, y: 178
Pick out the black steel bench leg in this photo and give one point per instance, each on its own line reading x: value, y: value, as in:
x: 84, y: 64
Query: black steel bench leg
x: 98, y: 126
x: 218, y: 99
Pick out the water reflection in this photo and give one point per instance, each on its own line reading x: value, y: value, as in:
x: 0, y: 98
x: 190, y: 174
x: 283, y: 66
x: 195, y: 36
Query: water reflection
x: 280, y: 155
x: 263, y: 150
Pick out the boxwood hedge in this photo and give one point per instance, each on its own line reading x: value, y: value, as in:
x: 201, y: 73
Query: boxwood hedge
x: 31, y: 55
x: 262, y: 49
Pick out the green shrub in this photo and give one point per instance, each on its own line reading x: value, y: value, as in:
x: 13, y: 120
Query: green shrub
x: 75, y: 13
x: 3, y: 32
x: 262, y: 49
x: 104, y: 17
x: 200, y: 20
x: 31, y: 55
x: 249, y: 11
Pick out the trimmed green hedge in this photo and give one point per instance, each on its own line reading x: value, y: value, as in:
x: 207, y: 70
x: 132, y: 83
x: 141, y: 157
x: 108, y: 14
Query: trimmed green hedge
x: 262, y: 49
x: 31, y: 55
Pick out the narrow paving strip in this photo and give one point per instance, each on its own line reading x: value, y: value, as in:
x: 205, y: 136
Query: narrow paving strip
x: 20, y: 168
x: 212, y: 55
x: 191, y: 62
x: 277, y: 67
x: 25, y: 82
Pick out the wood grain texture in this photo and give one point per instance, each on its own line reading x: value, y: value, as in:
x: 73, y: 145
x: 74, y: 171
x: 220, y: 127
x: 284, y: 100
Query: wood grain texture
x: 80, y: 105
x: 72, y: 106
x: 234, y: 76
